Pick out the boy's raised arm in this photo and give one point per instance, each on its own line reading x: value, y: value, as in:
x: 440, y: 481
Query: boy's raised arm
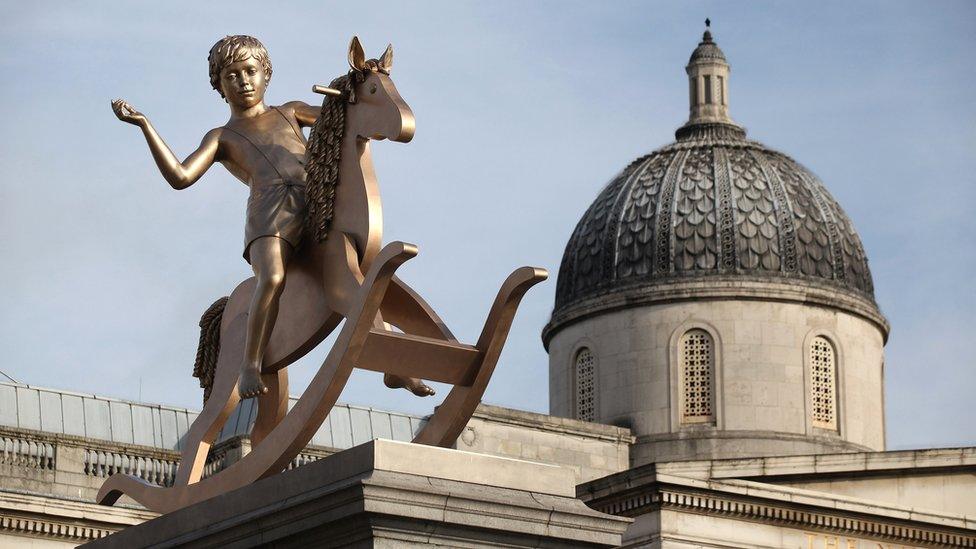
x: 179, y: 175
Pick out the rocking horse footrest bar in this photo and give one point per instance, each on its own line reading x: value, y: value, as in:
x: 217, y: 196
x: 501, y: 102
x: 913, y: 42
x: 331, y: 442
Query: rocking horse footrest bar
x: 418, y: 356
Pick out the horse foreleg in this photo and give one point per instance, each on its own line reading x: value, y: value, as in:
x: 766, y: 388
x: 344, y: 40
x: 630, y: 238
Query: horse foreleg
x: 341, y: 275
x: 447, y: 423
x: 343, y: 280
x: 405, y: 309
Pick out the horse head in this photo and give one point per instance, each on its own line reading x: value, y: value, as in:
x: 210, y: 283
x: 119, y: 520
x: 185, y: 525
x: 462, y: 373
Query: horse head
x: 376, y: 110
x: 361, y: 105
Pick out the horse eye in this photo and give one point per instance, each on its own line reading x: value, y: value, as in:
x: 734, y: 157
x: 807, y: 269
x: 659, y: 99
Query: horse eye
x: 372, y: 89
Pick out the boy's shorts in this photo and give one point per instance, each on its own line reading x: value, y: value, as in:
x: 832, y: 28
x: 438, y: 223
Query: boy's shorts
x: 276, y: 209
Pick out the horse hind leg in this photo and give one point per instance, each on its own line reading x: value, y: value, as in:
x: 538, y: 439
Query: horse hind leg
x: 272, y: 406
x: 222, y: 402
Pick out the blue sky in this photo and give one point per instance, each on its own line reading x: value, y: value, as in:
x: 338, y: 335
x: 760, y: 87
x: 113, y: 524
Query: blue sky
x: 524, y: 110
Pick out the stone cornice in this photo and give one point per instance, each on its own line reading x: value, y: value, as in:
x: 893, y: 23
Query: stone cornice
x: 736, y: 287
x: 63, y: 519
x: 834, y: 442
x: 789, y: 507
x: 38, y: 526
x: 827, y: 466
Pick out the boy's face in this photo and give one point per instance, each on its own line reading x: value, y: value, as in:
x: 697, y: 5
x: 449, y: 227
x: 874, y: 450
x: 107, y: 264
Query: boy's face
x: 244, y: 83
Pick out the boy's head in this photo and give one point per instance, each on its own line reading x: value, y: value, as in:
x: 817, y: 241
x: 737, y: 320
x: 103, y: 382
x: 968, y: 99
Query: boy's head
x: 233, y: 49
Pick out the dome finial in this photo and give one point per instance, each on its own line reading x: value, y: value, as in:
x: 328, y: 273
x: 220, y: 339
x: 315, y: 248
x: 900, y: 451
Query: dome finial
x: 707, y: 37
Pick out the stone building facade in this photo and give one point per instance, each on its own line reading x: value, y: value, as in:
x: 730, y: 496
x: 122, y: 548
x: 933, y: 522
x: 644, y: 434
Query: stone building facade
x: 716, y: 300
x: 57, y: 447
x: 716, y: 376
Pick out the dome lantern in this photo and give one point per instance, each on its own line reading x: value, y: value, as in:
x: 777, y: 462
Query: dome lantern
x: 708, y: 86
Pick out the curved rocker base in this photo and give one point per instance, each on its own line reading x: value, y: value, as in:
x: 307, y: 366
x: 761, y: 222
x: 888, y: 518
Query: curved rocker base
x: 468, y: 368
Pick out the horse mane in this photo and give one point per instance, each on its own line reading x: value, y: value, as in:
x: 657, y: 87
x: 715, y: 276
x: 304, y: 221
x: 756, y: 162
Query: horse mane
x: 322, y: 158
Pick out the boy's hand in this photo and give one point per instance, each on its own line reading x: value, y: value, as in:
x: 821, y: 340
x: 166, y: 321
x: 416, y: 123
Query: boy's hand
x: 126, y: 113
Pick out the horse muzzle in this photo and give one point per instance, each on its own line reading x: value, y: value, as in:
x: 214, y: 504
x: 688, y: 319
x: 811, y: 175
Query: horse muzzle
x: 408, y: 126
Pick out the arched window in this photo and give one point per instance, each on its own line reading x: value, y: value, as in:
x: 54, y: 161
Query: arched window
x: 823, y: 383
x: 585, y: 366
x: 696, y: 352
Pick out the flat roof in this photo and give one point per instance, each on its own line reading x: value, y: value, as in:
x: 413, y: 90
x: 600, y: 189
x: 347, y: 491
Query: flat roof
x: 156, y: 425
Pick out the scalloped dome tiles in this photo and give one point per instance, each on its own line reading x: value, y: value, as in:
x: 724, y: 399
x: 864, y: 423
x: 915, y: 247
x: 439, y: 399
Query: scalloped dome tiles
x: 705, y: 207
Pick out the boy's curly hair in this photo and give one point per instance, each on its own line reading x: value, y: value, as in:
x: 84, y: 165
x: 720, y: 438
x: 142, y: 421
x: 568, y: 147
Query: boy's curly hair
x: 231, y: 49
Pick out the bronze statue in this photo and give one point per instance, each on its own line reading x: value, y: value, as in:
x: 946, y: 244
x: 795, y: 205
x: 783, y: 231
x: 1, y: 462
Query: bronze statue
x: 313, y: 238
x: 263, y: 147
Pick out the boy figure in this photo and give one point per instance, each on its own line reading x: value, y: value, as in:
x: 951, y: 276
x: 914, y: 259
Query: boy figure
x: 264, y: 147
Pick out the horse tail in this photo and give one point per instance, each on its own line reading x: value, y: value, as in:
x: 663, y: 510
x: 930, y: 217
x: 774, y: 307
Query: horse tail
x: 209, y: 347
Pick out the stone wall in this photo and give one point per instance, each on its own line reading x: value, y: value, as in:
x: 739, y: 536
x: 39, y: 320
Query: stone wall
x: 48, y: 484
x: 761, y: 396
x: 591, y: 450
x: 75, y: 467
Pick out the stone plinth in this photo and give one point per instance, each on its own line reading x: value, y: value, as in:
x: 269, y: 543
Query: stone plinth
x: 391, y: 494
x: 591, y: 450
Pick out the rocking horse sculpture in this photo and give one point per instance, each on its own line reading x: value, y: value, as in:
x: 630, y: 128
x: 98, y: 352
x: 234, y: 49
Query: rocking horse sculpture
x: 338, y: 272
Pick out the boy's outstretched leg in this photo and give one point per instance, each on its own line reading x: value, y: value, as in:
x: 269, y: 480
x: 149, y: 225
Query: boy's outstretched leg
x: 412, y: 384
x: 269, y: 258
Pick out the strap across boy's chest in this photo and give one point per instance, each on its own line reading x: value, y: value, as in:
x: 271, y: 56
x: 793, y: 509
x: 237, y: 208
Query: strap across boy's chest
x: 271, y: 142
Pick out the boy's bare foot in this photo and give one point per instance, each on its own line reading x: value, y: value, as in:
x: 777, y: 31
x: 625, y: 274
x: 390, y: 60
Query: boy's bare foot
x: 250, y: 384
x: 412, y: 384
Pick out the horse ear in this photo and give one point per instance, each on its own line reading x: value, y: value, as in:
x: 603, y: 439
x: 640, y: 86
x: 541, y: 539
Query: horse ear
x: 386, y: 61
x: 357, y: 57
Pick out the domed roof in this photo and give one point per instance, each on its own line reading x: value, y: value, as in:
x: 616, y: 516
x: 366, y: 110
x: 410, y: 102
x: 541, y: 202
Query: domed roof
x: 717, y: 210
x: 707, y: 49
x: 712, y: 204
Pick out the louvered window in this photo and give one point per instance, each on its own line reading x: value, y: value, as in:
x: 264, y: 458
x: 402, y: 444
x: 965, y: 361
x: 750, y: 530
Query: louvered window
x: 823, y: 383
x: 585, y: 385
x: 697, y: 362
